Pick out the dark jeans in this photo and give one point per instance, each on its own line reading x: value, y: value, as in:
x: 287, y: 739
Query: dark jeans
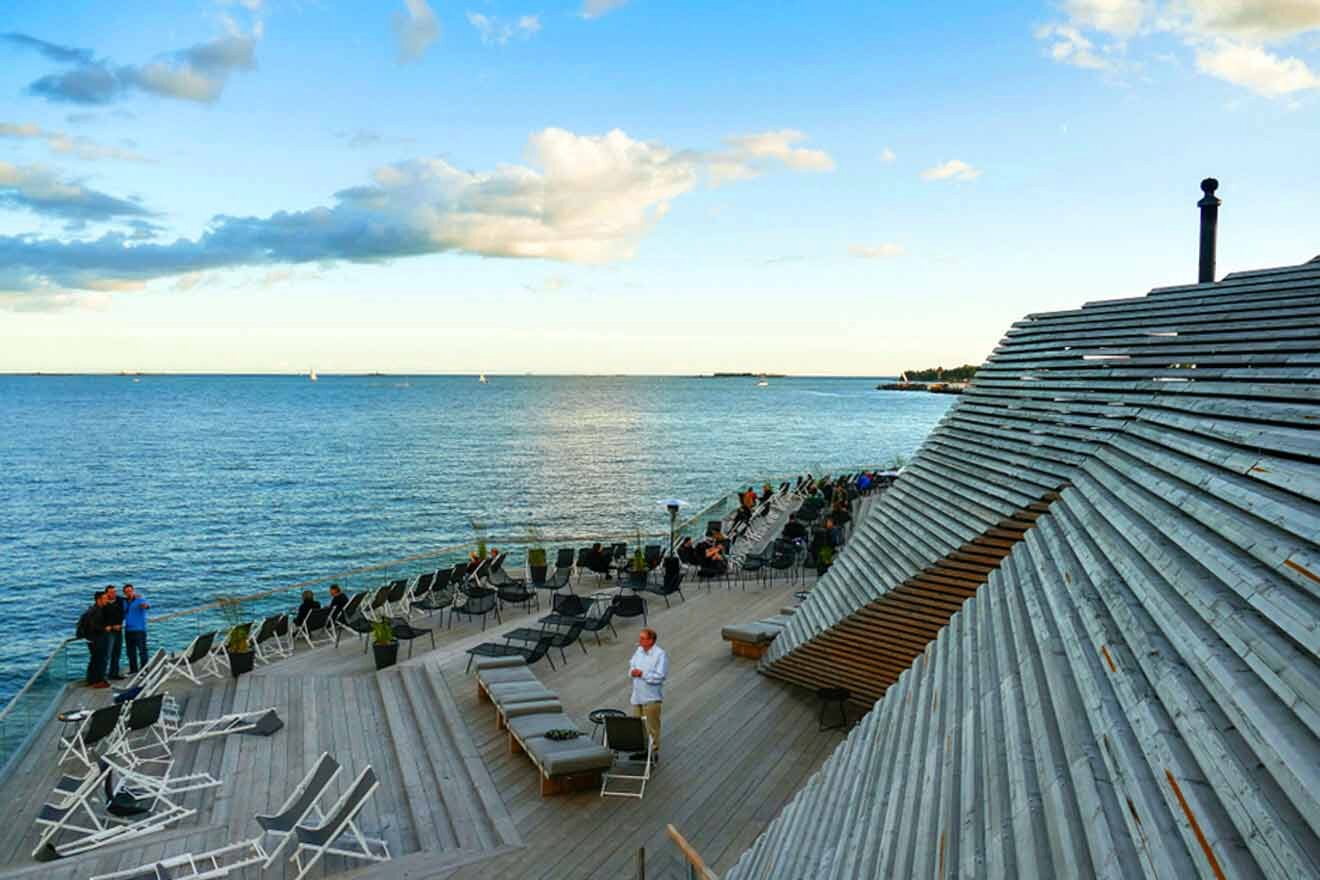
x: 136, y: 642
x: 100, y: 656
x: 116, y: 651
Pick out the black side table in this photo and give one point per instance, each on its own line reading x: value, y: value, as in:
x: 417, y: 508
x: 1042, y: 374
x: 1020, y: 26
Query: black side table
x: 838, y: 696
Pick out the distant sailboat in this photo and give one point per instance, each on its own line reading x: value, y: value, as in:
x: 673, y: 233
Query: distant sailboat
x: 762, y: 384
x: 311, y: 374
x: 482, y: 379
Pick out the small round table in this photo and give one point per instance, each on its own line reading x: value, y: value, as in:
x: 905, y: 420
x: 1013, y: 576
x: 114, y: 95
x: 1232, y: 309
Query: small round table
x: 597, y: 718
x: 72, y: 716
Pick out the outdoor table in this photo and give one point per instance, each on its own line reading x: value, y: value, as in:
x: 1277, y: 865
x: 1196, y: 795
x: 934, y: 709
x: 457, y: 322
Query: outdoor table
x: 73, y: 716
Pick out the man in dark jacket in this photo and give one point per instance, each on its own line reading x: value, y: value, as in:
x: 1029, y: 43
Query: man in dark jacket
x: 98, y: 642
x: 113, y: 614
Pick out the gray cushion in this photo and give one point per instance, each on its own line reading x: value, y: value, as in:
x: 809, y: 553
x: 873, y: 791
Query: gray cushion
x: 526, y: 726
x: 498, y: 662
x: 519, y: 692
x: 559, y: 757
x: 535, y: 707
x: 506, y: 674
x: 755, y: 633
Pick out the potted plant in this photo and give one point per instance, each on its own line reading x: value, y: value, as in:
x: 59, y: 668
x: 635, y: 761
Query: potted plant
x: 536, y: 565
x: 238, y: 643
x: 384, y: 645
x: 637, y: 569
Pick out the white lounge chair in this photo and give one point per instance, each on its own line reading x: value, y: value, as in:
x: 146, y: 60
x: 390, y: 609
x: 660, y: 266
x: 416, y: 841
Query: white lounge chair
x: 339, y: 834
x: 73, y: 812
x: 627, y: 736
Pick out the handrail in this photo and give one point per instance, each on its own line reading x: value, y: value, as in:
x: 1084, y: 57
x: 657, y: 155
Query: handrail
x: 27, y: 686
x: 696, y: 865
x: 514, y: 540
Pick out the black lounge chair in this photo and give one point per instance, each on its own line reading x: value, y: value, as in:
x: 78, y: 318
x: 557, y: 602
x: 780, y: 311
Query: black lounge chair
x: 584, y: 555
x: 594, y: 623
x: 339, y: 835
x: 358, y: 624
x: 672, y: 583
x: 629, y: 605
x: 379, y: 599
x: 349, y: 610
x: 753, y: 564
x: 530, y: 655
x: 560, y: 639
x: 558, y: 580
x: 517, y: 593
x: 406, y: 632
x: 477, y: 606
x: 564, y: 558
x: 570, y: 604
x: 439, y: 598
x: 317, y: 621
x: 653, y: 556
x: 626, y: 737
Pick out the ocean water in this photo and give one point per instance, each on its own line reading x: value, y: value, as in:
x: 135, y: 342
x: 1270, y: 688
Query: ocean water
x: 195, y: 487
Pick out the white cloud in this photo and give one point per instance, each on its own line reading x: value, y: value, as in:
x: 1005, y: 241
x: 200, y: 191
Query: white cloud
x: 1068, y: 46
x: 65, y: 144
x: 39, y: 190
x: 416, y: 30
x: 1227, y: 37
x: 876, y: 251
x: 1252, y: 19
x: 1118, y: 17
x: 887, y: 155
x: 954, y: 169
x: 1254, y: 68
x: 579, y: 198
x: 498, y: 32
x: 597, y: 8
x: 750, y: 152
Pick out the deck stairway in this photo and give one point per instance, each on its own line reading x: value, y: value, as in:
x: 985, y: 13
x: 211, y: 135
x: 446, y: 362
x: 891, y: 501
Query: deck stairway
x: 1135, y: 691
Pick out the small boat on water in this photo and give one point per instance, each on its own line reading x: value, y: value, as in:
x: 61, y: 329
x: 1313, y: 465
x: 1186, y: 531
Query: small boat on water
x: 762, y: 384
x: 311, y: 374
x: 482, y: 379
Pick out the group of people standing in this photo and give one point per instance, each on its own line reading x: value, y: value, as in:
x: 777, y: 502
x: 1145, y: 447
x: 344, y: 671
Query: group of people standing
x: 114, y: 622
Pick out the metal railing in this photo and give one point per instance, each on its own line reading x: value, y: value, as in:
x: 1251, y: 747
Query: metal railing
x: 31, y: 709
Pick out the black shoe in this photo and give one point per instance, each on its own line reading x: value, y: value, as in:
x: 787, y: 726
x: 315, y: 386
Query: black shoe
x: 116, y: 678
x: 637, y: 756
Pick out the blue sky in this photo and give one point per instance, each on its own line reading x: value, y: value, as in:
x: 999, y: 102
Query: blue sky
x: 646, y: 187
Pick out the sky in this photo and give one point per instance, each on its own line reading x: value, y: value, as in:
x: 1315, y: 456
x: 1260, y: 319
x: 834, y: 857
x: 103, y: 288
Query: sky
x: 626, y: 186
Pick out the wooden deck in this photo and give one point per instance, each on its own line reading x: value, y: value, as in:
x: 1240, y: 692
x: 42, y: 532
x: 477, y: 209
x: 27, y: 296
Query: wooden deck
x: 453, y: 801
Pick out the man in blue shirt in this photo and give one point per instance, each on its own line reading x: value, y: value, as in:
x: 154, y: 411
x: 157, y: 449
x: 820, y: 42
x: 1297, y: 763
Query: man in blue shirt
x: 135, y: 628
x: 648, y: 668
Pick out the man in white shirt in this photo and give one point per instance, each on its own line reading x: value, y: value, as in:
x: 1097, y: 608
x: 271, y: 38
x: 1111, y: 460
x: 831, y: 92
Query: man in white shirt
x: 648, y: 669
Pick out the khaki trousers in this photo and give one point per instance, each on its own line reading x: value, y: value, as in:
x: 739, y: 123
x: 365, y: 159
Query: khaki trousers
x: 650, y: 712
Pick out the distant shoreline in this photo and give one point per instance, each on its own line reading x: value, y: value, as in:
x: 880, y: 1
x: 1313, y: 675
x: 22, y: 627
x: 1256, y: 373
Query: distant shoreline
x: 462, y: 375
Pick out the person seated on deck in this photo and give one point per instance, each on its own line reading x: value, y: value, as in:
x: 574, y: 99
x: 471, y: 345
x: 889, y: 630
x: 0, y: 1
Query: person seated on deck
x: 841, y: 514
x: 822, y: 546
x: 309, y: 604
x: 794, y: 530
x: 687, y: 552
x: 474, y: 561
x: 767, y: 492
x: 599, y: 560
x: 710, y: 556
x: 338, y: 602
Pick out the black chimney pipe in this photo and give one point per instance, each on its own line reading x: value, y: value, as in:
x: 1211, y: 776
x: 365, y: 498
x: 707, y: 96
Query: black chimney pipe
x: 1209, y: 206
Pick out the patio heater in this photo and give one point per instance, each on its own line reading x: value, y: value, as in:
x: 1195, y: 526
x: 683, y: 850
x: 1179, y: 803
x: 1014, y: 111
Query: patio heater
x: 672, y: 505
